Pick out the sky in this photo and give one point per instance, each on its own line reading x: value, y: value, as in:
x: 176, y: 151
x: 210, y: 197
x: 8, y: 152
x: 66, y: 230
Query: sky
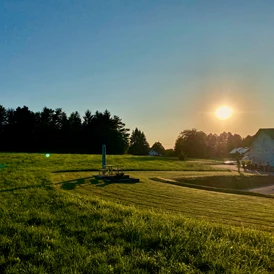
x: 161, y: 66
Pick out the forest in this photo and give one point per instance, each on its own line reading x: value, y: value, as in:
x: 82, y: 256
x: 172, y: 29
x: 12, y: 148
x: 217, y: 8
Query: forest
x: 22, y: 130
x: 53, y: 131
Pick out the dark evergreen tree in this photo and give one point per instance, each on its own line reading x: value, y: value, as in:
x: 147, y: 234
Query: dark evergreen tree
x: 9, y: 133
x: 3, y: 121
x: 22, y: 130
x: 74, y: 132
x: 60, y: 131
x: 138, y: 143
x: 87, y: 132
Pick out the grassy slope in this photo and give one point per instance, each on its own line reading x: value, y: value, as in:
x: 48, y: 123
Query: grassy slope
x: 71, y: 162
x: 53, y: 230
x: 232, y: 181
x: 248, y: 211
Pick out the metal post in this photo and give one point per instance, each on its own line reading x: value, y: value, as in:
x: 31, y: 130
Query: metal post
x: 104, y: 152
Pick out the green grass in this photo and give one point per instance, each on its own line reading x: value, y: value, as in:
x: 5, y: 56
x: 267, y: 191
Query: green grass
x: 64, y: 223
x: 232, y: 209
x: 74, y: 162
x: 233, y: 181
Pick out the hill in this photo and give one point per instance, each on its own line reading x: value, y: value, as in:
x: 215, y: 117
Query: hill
x: 82, y: 226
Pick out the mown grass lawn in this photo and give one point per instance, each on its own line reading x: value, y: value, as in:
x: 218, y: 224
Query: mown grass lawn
x: 224, y: 208
x: 74, y: 162
x: 63, y: 223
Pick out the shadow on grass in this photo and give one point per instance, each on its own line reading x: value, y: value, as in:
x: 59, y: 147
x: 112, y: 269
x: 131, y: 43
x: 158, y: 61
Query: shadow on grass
x: 44, y: 185
x: 75, y: 170
x: 71, y: 184
x: 66, y: 185
x: 19, y: 188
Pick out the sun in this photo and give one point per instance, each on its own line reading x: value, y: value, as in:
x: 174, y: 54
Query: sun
x: 223, y: 112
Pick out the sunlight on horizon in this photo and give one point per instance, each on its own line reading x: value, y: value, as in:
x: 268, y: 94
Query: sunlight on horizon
x: 223, y: 112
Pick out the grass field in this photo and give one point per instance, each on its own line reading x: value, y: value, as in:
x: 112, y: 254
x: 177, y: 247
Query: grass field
x: 66, y: 222
x: 241, y: 210
x: 231, y: 181
x: 74, y: 162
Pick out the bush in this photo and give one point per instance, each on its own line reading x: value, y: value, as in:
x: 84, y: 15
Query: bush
x: 182, y: 157
x: 170, y: 153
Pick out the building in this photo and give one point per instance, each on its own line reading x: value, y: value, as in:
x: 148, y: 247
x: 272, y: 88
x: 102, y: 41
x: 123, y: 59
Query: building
x: 262, y: 148
x: 241, y: 150
x: 153, y: 153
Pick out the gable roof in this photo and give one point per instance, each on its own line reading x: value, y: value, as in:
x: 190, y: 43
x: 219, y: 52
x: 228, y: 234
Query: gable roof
x: 234, y: 150
x: 153, y: 152
x: 241, y: 150
x: 267, y: 131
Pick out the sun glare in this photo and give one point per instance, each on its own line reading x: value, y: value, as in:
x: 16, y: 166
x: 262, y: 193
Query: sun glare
x: 223, y: 112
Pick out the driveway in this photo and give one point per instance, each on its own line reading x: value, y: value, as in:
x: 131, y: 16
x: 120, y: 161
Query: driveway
x: 234, y: 168
x: 230, y: 167
x: 269, y: 190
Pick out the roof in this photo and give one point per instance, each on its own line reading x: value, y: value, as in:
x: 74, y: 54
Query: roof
x: 234, y: 150
x: 267, y: 131
x: 153, y: 152
x: 246, y: 158
x: 241, y: 150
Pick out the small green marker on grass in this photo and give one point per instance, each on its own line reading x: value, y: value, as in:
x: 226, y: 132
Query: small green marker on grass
x: 47, y: 155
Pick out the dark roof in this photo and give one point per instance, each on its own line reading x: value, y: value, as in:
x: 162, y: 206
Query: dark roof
x: 268, y: 131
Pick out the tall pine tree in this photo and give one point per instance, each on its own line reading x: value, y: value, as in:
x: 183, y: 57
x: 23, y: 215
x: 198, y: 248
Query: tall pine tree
x: 138, y: 143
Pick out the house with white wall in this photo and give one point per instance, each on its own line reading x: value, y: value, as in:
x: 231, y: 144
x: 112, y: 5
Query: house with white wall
x: 262, y: 148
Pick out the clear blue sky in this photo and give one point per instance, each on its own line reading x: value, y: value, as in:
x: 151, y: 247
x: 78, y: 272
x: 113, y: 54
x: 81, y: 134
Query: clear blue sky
x: 162, y: 66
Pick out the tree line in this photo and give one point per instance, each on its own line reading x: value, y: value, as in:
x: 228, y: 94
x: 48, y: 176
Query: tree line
x: 53, y: 131
x: 22, y: 130
x: 197, y: 144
